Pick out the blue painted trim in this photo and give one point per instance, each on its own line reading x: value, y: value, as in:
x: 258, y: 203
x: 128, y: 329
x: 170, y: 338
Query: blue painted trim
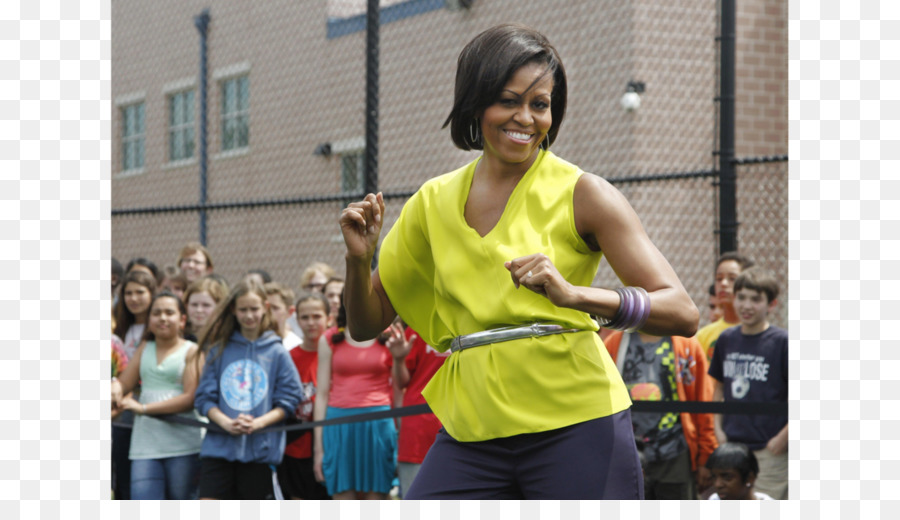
x: 338, y: 27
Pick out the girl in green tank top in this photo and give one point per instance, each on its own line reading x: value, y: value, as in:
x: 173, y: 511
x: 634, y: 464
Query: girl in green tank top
x: 164, y: 455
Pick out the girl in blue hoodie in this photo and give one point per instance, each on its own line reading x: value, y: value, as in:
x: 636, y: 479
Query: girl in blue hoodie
x: 249, y: 383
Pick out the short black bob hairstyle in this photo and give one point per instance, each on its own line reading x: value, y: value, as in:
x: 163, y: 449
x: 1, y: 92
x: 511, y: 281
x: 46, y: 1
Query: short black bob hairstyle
x: 485, y: 66
x: 736, y: 456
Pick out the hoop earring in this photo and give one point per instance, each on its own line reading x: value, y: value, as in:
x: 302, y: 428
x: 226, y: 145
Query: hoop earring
x: 475, y: 132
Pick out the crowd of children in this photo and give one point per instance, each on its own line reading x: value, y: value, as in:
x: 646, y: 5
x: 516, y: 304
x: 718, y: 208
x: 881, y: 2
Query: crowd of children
x: 253, y: 355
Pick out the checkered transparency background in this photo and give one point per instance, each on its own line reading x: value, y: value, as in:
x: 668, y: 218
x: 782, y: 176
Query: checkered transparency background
x: 55, y: 232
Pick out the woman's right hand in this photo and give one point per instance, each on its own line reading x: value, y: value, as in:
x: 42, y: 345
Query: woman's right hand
x: 361, y: 225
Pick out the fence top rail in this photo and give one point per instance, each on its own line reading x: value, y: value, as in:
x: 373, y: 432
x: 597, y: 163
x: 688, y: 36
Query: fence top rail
x: 404, y: 194
x: 761, y: 159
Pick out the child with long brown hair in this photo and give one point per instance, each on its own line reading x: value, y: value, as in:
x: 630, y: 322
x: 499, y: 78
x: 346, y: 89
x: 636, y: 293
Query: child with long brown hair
x: 130, y: 316
x: 164, y: 455
x: 249, y: 383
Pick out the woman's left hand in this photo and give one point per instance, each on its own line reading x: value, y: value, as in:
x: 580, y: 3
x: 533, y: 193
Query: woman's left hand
x: 128, y: 403
x: 537, y: 273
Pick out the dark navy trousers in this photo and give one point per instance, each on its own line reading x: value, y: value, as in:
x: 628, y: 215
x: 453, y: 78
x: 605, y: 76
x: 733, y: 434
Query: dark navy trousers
x: 593, y: 460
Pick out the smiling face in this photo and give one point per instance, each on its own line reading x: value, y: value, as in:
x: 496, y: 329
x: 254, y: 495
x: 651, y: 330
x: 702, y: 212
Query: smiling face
x: 194, y: 266
x: 137, y: 299
x: 516, y: 123
x: 753, y: 309
x: 166, y: 319
x: 249, y: 310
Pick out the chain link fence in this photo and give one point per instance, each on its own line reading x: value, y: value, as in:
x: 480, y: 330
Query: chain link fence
x: 274, y: 195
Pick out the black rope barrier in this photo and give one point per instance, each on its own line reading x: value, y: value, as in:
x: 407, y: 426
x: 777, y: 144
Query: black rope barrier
x: 719, y: 407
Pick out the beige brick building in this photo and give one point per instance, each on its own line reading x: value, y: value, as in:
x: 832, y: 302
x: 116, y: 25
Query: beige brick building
x: 288, y: 76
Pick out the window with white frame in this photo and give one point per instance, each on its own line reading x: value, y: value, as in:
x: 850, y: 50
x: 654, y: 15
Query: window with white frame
x: 132, y: 136
x: 353, y: 171
x: 235, y: 113
x: 181, y: 125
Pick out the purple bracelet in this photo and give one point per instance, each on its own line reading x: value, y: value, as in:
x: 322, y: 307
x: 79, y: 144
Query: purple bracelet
x: 638, y: 310
x: 633, y: 311
x: 627, y: 308
x: 645, y: 298
x: 642, y: 308
x: 617, y: 318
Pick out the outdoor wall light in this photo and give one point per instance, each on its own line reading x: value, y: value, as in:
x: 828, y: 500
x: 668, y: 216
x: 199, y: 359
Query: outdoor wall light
x: 631, y: 100
x: 323, y: 149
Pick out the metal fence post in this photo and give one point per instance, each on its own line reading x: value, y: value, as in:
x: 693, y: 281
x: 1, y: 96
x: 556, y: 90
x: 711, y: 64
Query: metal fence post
x: 372, y: 27
x: 727, y: 173
x: 201, y: 21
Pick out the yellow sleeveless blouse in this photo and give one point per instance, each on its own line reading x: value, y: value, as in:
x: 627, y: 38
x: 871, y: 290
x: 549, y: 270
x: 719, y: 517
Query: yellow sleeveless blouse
x: 446, y: 280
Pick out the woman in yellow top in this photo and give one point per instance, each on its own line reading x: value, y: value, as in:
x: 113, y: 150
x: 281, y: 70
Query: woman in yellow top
x: 494, y: 261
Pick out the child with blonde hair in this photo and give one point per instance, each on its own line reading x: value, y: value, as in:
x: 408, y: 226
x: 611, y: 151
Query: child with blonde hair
x: 249, y: 383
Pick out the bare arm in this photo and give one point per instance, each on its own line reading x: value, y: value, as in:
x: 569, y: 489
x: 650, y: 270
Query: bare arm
x: 779, y: 443
x: 369, y: 311
x: 180, y: 403
x: 323, y: 389
x: 717, y: 418
x: 607, y: 222
x: 127, y: 380
x: 400, y: 348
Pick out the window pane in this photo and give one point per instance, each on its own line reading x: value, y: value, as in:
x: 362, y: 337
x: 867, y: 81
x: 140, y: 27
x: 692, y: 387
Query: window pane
x: 128, y: 121
x: 243, y: 93
x: 243, y: 131
x: 139, y: 156
x: 177, y: 146
x: 189, y: 106
x: 139, y: 125
x: 175, y: 110
x: 188, y: 142
x: 227, y: 134
x: 351, y: 172
x: 126, y: 155
x: 228, y: 97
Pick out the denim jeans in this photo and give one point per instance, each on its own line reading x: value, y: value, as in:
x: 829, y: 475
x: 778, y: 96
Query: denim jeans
x: 170, y: 478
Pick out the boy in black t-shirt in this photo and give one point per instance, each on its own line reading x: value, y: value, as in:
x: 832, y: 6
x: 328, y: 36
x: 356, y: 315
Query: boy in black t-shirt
x: 750, y: 364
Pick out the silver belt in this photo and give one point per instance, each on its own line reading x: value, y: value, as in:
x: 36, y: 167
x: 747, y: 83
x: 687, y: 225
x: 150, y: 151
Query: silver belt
x: 476, y: 339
